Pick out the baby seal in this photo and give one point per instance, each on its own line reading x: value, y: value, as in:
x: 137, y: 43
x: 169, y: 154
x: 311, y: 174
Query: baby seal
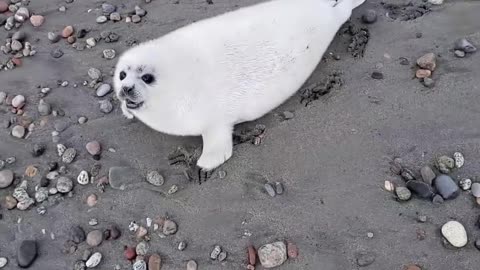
x: 206, y: 77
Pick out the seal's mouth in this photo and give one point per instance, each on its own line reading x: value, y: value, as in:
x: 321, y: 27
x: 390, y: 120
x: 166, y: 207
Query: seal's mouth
x: 133, y: 105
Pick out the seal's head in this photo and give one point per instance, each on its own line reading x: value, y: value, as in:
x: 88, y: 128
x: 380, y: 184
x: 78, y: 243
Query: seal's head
x: 134, y: 81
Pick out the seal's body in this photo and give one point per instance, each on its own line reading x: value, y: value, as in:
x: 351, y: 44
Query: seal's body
x: 206, y: 77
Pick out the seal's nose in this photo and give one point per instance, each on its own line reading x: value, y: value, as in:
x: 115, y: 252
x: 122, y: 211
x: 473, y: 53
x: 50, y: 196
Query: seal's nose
x: 127, y: 90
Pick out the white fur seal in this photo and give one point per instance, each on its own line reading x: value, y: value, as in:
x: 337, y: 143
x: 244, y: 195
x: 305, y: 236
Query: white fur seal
x: 204, y: 78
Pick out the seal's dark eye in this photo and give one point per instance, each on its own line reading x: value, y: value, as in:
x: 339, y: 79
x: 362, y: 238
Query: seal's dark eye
x: 148, y: 78
x: 122, y: 75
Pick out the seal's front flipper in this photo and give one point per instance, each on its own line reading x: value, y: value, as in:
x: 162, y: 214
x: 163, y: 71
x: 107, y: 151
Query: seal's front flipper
x: 198, y: 175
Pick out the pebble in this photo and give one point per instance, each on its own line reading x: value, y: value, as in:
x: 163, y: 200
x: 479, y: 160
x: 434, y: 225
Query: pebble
x: 106, y: 106
x: 272, y: 255
x: 407, y: 174
x: 279, y: 188
x: 37, y: 20
x: 67, y: 31
x: 369, y: 16
x: 93, y: 148
x: 94, y: 260
x: 459, y: 54
x: 79, y: 265
x: 3, y: 96
x: 412, y: 266
x: 53, y: 37
x: 459, y: 159
x: 83, y: 178
x: 44, y: 108
x: 403, y: 193
x: 427, y: 61
x: 428, y: 82
x: 94, y: 73
x: 52, y: 175
x: 476, y: 190
x: 3, y: 262
x: 62, y: 9
x: 22, y: 14
x: 427, y: 174
x: 18, y: 131
x: 182, y: 245
x: 92, y: 42
x: 464, y: 45
x: 41, y: 194
x: 422, y: 218
x: 172, y: 189
x: 455, y: 233
x: 421, y: 189
x: 69, y: 155
x: 136, y: 18
x: 115, y: 232
x: 107, y: 9
x: 103, y: 90
x: 64, y: 184
x: 465, y: 184
x: 115, y: 16
x: 377, y: 75
x: 215, y: 252
x: 155, y: 178
x: 446, y: 161
x: 102, y: 19
x: 6, y: 178
x: 269, y: 189
x: 18, y: 101
x: 139, y: 11
x: 82, y: 120
x: 154, y: 262
x: 16, y: 46
x: 141, y: 232
x: 3, y: 6
x: 437, y: 199
x: 446, y: 187
x: 435, y: 2
x: 222, y: 256
x: 92, y: 200
x: 10, y: 202
x: 423, y: 73
x: 56, y: 53
x: 365, y: 259
x: 140, y: 265
x: 109, y: 53
x: 142, y: 248
x: 191, y: 265
x: 477, y: 244
x: 252, y: 255
x: 129, y: 253
x: 26, y: 253
x: 292, y: 250
x: 94, y: 238
x: 169, y: 227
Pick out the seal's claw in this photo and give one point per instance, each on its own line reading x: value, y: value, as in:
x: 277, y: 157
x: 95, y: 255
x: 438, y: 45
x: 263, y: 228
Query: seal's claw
x: 199, y: 175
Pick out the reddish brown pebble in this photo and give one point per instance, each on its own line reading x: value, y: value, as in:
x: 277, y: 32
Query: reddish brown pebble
x: 17, y: 61
x: 31, y: 171
x: 67, y: 31
x: 412, y: 267
x: 423, y: 73
x: 3, y: 6
x: 37, y: 20
x: 154, y: 262
x: 292, y: 250
x: 252, y: 255
x: 92, y: 200
x: 129, y: 253
x: 141, y: 232
x: 9, y: 202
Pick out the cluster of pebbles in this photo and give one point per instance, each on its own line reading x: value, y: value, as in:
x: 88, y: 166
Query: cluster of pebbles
x: 271, y: 255
x: 436, y: 184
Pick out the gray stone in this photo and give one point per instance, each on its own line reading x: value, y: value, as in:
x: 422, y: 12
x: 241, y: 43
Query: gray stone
x: 77, y: 234
x: 94, y: 238
x: 79, y: 265
x: 142, y: 248
x: 272, y: 255
x: 6, y: 178
x: 107, y: 9
x: 18, y: 131
x: 169, y: 227
x: 215, y: 252
x: 459, y: 53
x: 139, y: 11
x: 94, y: 73
x: 269, y: 189
x: 53, y: 37
x: 464, y: 45
x: 403, y: 193
x: 44, y: 108
x: 103, y: 90
x: 421, y: 189
x: 41, y: 194
x: 102, y: 19
x: 26, y: 253
x: 136, y: 19
x: 140, y: 265
x: 155, y: 178
x: 369, y: 16
x: 64, y: 184
x: 106, y: 106
x: 109, y: 53
x: 446, y: 187
x: 365, y: 259
x: 427, y: 175
x: 69, y: 155
x: 476, y: 190
x: 437, y: 199
x: 465, y: 184
x: 115, y: 16
x: 94, y: 260
x: 56, y: 53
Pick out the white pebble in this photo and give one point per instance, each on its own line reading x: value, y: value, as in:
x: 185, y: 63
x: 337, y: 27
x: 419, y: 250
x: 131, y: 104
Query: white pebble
x: 455, y: 233
x: 83, y: 178
x: 389, y: 186
x: 94, y: 260
x: 459, y: 159
x: 3, y: 262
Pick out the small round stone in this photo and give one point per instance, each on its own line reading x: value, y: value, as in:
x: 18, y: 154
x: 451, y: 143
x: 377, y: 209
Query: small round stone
x: 272, y: 255
x: 140, y: 265
x: 67, y: 31
x: 82, y: 120
x: 44, y: 108
x: 37, y: 20
x: 455, y: 233
x: 173, y: 189
x: 94, y: 238
x: 222, y: 256
x: 154, y: 262
x: 115, y: 16
x: 377, y: 75
x: 427, y: 62
x: 3, y: 262
x: 136, y: 19
x: 181, y: 246
x: 18, y: 101
x: 465, y: 184
x: 476, y: 190
x: 102, y: 19
x: 423, y: 73
x: 292, y: 250
x: 191, y: 265
x: 459, y: 54
x: 18, y: 131
x: 83, y: 178
x: 169, y: 227
x: 56, y: 53
x: 106, y: 106
x: 94, y: 260
x: 403, y: 193
x: 53, y: 37
x: 69, y: 155
x: 109, y: 53
x: 279, y: 188
x: 370, y: 16
x: 365, y: 259
x: 459, y: 159
x: 155, y: 178
x: 421, y: 189
x: 64, y: 184
x: 10, y: 202
x: 92, y: 200
x: 91, y: 42
x: 269, y: 189
x: 428, y: 82
x: 464, y: 45
x: 94, y: 73
x: 103, y: 90
x: 108, y: 8
x: 93, y: 148
x: 142, y: 248
x: 446, y: 187
x: 215, y: 252
x: 6, y: 178
x: 26, y: 253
